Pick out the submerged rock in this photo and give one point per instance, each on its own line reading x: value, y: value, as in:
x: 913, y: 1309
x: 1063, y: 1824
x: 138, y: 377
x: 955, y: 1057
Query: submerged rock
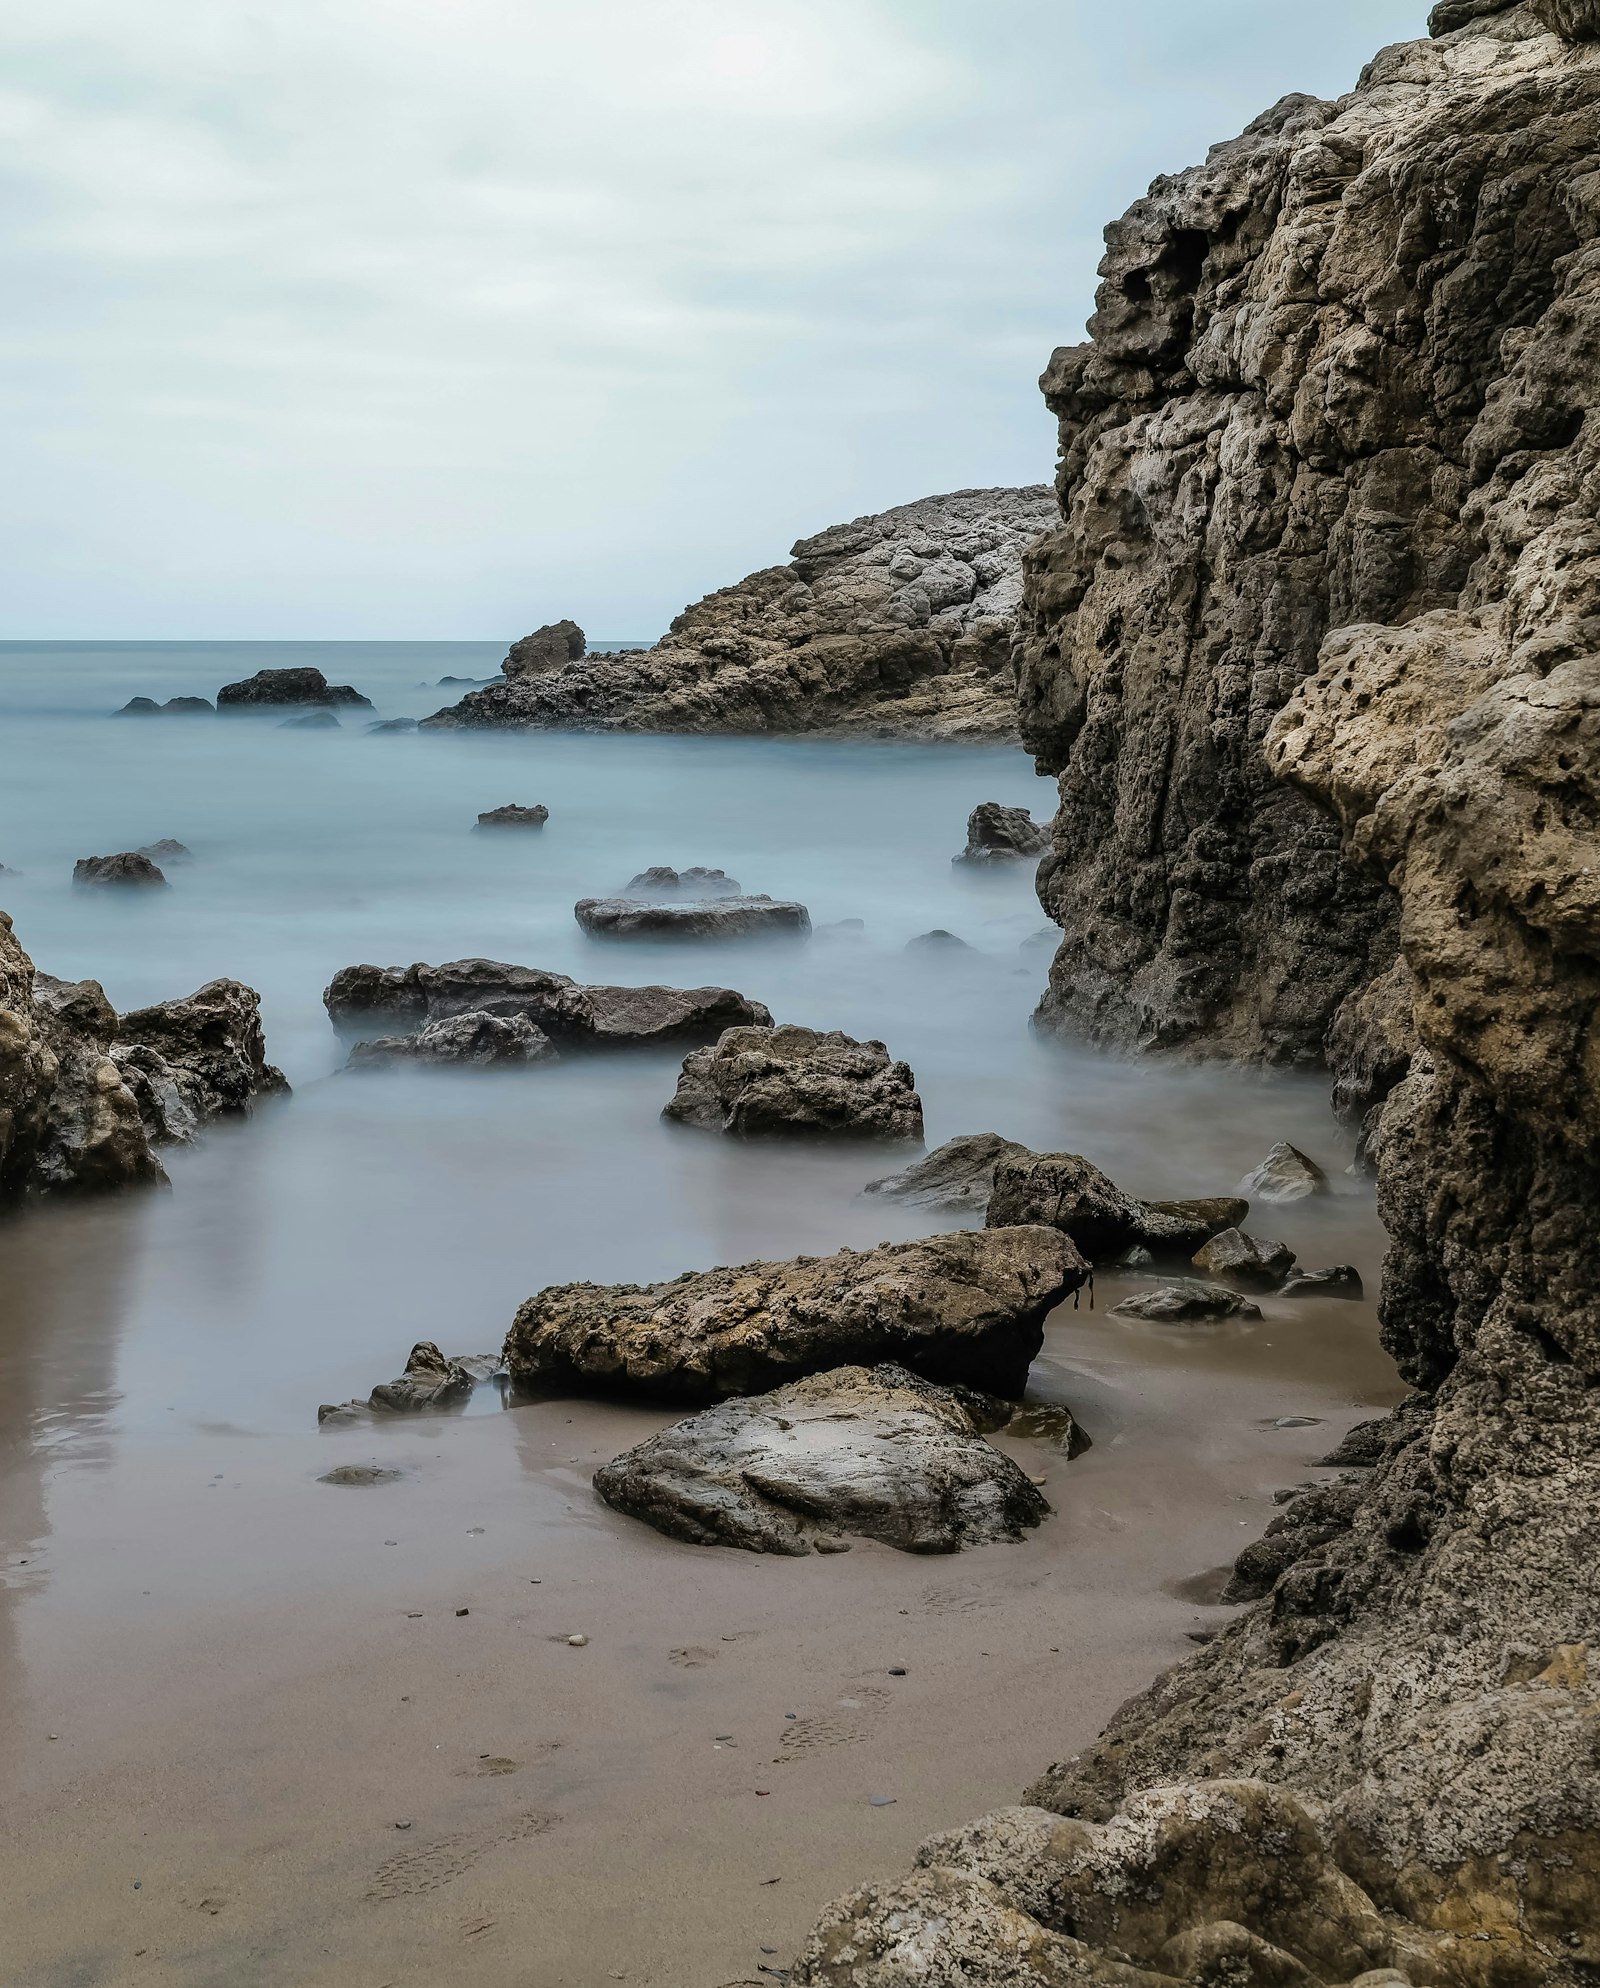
x: 717, y: 918
x: 291, y: 686
x: 167, y: 850
x: 512, y: 816
x: 998, y: 834
x: 1285, y: 1175
x: 937, y: 941
x: 898, y: 625
x: 1186, y: 1301
x: 660, y: 881
x: 791, y: 1082
x: 877, y: 1452
x: 393, y: 725
x: 129, y: 869
x: 1245, y: 1261
x: 429, y: 1381
x: 573, y: 1016
x: 1339, y: 1280
x: 1068, y: 1192
x: 474, y: 1038
x: 313, y: 721
x: 965, y: 1309
x: 957, y: 1178
x: 175, y: 707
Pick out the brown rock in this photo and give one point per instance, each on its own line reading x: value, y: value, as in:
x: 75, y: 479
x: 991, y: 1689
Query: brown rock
x: 790, y: 1082
x: 1069, y: 1193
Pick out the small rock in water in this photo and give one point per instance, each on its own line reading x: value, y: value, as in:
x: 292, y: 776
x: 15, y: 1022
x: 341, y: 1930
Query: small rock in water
x: 998, y: 834
x: 661, y: 881
x: 937, y: 941
x: 513, y: 816
x: 1286, y: 1174
x: 1247, y: 1262
x: 1186, y: 1302
x: 958, y: 1176
x: 1339, y: 1280
x: 165, y: 851
x: 760, y: 1083
x: 313, y: 721
x: 130, y: 868
x: 394, y: 725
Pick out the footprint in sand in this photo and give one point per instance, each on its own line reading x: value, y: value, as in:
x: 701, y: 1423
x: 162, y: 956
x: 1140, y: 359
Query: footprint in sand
x: 692, y: 1657
x: 957, y: 1598
x: 846, y: 1723
x: 412, y: 1873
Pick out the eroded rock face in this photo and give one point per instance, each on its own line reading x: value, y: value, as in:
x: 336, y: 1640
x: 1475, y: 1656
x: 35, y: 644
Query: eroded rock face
x: 292, y: 686
x: 1069, y: 1193
x: 513, y: 815
x: 998, y: 834
x: 960, y: 1310
x: 1378, y: 323
x: 957, y: 1178
x: 549, y: 648
x: 709, y: 918
x: 131, y: 869
x: 896, y: 625
x: 399, y: 997
x: 471, y: 1040
x: 797, y: 1083
x: 875, y: 1452
x: 213, y: 1049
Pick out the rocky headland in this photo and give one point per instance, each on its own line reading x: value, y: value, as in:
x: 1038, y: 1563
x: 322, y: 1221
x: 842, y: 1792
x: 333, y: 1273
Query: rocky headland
x: 1313, y: 652
x: 898, y: 625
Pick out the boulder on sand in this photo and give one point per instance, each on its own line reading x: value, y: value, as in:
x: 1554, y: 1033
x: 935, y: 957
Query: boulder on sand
x: 1285, y: 1175
x: 1187, y: 1301
x: 1068, y: 1192
x: 997, y: 834
x: 660, y: 881
x: 878, y: 1452
x: 792, y: 1082
x: 512, y: 816
x: 718, y: 918
x: 471, y: 1039
x: 294, y: 686
x: 573, y: 1016
x: 129, y: 869
x: 1246, y: 1262
x: 957, y: 1178
x: 965, y: 1309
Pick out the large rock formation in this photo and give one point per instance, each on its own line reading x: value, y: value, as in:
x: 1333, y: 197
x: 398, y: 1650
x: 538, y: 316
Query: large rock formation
x: 1347, y: 373
x: 895, y: 625
x: 797, y: 1083
x: 964, y: 1310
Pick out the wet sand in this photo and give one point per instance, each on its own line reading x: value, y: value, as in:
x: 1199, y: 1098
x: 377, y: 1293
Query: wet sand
x: 252, y: 1679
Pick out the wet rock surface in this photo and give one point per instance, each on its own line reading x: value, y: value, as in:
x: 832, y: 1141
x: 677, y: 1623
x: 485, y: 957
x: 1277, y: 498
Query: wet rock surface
x: 473, y: 1039
x: 213, y: 1052
x: 514, y: 816
x: 290, y: 686
x: 429, y: 1381
x: 874, y: 1452
x: 130, y: 870
x: 998, y: 834
x: 964, y: 1309
x: 896, y: 625
x: 712, y: 918
x: 1068, y: 1192
x: 1249, y: 1263
x: 957, y: 1178
x: 175, y: 707
x: 1186, y: 1301
x: 798, y: 1083
x: 1285, y: 1175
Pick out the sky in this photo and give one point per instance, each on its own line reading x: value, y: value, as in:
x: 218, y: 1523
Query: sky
x: 438, y: 319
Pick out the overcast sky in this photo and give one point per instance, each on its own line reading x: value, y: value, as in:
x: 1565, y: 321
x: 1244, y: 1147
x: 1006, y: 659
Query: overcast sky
x: 442, y: 318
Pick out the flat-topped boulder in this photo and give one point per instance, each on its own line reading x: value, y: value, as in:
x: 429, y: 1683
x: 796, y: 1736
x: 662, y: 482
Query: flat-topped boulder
x: 291, y: 686
x: 513, y: 816
x: 998, y: 834
x: 878, y: 1453
x: 792, y: 1082
x: 662, y: 881
x: 463, y: 1040
x: 1070, y: 1193
x: 957, y: 1178
x: 965, y: 1309
x: 710, y: 918
x: 129, y: 869
x: 396, y: 998
x: 1186, y: 1301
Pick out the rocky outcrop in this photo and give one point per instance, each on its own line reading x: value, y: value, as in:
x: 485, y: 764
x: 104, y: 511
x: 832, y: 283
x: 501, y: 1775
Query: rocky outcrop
x: 660, y: 880
x: 470, y: 1040
x: 1069, y: 1193
x: 875, y: 1452
x: 957, y: 1178
x: 405, y: 997
x: 1351, y: 368
x: 514, y: 816
x: 175, y: 707
x: 700, y: 918
x: 549, y: 648
x: 998, y: 834
x: 430, y: 1380
x: 960, y: 1310
x: 213, y: 1049
x: 894, y: 625
x: 797, y: 1083
x: 131, y: 869
x: 291, y: 686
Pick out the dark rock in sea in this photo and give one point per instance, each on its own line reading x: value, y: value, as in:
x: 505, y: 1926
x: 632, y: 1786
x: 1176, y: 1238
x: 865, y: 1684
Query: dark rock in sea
x: 429, y: 1381
x: 394, y: 725
x: 957, y: 1178
x: 472, y: 1039
x: 129, y: 869
x: 546, y: 649
x: 291, y: 686
x: 937, y: 941
x: 445, y: 681
x: 573, y: 1016
x: 1187, y: 1301
x: 1068, y: 1192
x: 718, y: 918
x: 1285, y: 1175
x: 166, y: 851
x: 175, y: 707
x: 791, y: 1082
x: 1048, y: 1422
x: 1339, y: 1280
x: 680, y: 884
x: 965, y: 1309
x: 998, y: 834
x: 875, y: 1452
x: 898, y: 625
x: 139, y: 707
x: 213, y: 1050
x: 1246, y: 1262
x: 313, y: 721
x: 512, y: 816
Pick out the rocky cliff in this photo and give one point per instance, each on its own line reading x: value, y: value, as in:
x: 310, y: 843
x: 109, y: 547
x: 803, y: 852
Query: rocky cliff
x: 1346, y: 376
x: 898, y: 625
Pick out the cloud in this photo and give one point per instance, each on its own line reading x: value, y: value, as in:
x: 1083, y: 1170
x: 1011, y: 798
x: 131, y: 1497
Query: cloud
x: 436, y: 317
